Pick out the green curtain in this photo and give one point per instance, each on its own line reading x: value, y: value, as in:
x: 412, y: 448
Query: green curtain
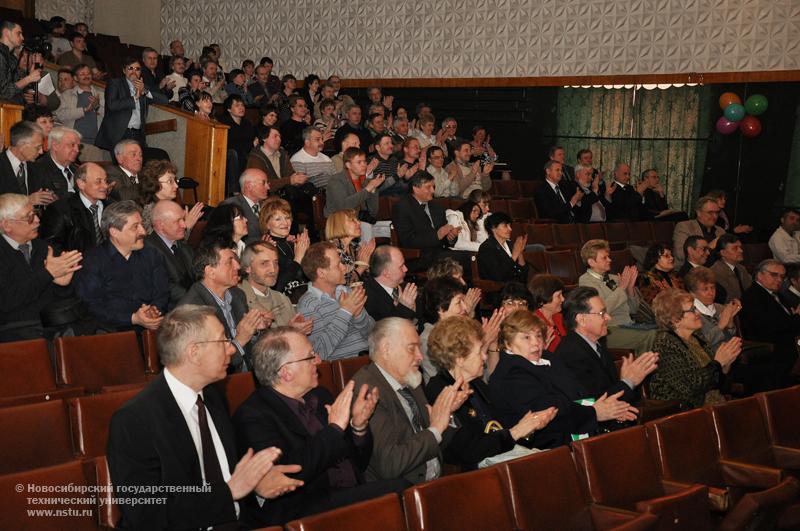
x: 665, y: 129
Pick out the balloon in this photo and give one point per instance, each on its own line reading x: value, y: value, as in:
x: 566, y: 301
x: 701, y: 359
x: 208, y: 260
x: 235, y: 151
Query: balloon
x: 727, y: 98
x: 750, y: 126
x: 756, y: 104
x: 726, y: 126
x: 734, y: 112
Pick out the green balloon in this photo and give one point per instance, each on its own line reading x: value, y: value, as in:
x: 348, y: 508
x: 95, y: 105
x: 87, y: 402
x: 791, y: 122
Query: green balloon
x: 756, y: 104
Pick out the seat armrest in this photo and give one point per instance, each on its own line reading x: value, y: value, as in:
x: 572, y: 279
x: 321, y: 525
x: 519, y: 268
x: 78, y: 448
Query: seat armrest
x: 604, y: 517
x: 689, y: 507
x: 738, y: 474
x: 786, y: 458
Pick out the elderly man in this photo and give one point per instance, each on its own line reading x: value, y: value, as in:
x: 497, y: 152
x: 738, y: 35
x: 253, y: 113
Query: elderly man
x: 176, y: 434
x: 556, y: 199
x: 705, y: 225
x: 123, y: 283
x: 386, y: 297
x: 56, y: 170
x: 312, y: 161
x: 254, y: 189
x: 696, y: 251
x: 596, y: 200
x: 341, y: 324
x: 406, y: 431
x: 17, y: 173
x: 260, y: 262
x: 330, y: 442
x: 785, y: 241
x: 73, y: 223
x: 627, y: 201
x: 620, y: 296
x: 217, y: 269
x: 83, y: 108
x: 125, y: 176
x: 169, y: 230
x: 32, y: 277
x: 731, y: 274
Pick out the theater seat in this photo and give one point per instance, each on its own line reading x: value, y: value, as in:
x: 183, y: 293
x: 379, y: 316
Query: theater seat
x: 662, y: 231
x: 640, y: 233
x: 567, y: 235
x: 686, y: 452
x: 616, y: 232
x: 343, y: 370
x: 26, y: 374
x: 108, y: 513
x: 102, y: 361
x: 14, y: 505
x: 382, y: 513
x: 326, y: 377
x: 562, y: 265
x: 33, y: 436
x: 779, y: 410
x: 563, y: 503
x: 505, y: 188
x: 621, y: 472
x: 152, y: 364
x: 520, y: 209
x: 591, y: 231
x: 89, y: 418
x: 541, y: 233
x: 473, y: 500
x: 237, y: 388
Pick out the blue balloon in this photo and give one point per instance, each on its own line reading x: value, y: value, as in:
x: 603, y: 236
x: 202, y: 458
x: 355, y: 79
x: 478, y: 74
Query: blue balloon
x: 734, y: 112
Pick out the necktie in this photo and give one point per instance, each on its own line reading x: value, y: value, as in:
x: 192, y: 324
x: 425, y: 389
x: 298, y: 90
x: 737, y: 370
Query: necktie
x: 558, y: 193
x: 21, y: 179
x: 416, y: 416
x: 256, y: 209
x: 25, y: 249
x: 210, y: 460
x: 174, y: 249
x: 609, y: 282
x: 98, y: 237
x: 68, y: 176
x: 395, y: 295
x: 739, y: 280
x: 427, y: 212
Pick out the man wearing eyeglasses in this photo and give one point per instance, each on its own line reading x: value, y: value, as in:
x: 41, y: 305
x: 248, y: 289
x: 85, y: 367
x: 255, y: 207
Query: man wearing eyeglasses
x: 125, y: 175
x: 696, y: 251
x: 127, y: 99
x: 704, y: 225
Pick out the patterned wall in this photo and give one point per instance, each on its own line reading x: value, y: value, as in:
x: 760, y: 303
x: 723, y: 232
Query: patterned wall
x: 72, y: 10
x: 493, y: 38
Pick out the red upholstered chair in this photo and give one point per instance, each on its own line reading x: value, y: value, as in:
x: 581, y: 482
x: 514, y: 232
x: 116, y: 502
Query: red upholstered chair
x: 621, y: 472
x: 505, y: 188
x: 521, y: 209
x: 779, y: 410
x: 326, y: 377
x: 26, y: 374
x: 616, y: 232
x: 197, y: 233
x: 498, y: 205
x: 562, y: 265
x: 567, y: 235
x: 33, y: 436
x: 563, y: 502
x: 343, y: 370
x: 90, y: 417
x: 541, y: 233
x: 473, y: 500
x: 384, y: 513
x: 152, y: 363
x: 662, y: 231
x: 108, y: 513
x: 640, y: 233
x: 527, y: 188
x: 686, y: 452
x: 102, y: 361
x: 621, y: 258
x: 237, y: 388
x: 591, y: 231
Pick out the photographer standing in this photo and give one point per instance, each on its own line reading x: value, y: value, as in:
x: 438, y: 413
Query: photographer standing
x: 12, y: 82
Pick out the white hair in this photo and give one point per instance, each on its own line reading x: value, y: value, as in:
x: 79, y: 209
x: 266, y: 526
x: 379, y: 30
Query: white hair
x: 10, y: 204
x: 58, y: 133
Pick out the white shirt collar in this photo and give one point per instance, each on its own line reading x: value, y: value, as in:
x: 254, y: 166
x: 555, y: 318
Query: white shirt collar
x: 15, y: 162
x: 88, y: 204
x: 185, y: 396
x: 393, y: 383
x: 385, y: 288
x: 620, y: 184
x: 591, y: 343
x: 13, y: 243
x: 710, y: 311
x: 249, y: 202
x: 793, y: 290
x: 541, y: 363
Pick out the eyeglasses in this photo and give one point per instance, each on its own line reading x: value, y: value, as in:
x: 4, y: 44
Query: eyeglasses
x: 27, y: 219
x: 226, y: 340
x: 693, y: 309
x: 515, y: 302
x: 773, y: 274
x: 168, y: 181
x: 134, y: 68
x: 313, y: 356
x: 601, y: 313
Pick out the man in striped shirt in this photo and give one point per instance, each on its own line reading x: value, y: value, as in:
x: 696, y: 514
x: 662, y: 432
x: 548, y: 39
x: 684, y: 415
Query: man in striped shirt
x: 311, y: 161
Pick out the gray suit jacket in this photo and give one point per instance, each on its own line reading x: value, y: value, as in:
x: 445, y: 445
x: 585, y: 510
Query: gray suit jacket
x: 125, y: 187
x: 397, y: 451
x: 727, y: 279
x: 342, y: 194
x: 682, y: 231
x: 253, y: 227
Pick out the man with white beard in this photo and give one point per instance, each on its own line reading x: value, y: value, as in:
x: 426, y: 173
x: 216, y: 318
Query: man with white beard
x: 406, y: 430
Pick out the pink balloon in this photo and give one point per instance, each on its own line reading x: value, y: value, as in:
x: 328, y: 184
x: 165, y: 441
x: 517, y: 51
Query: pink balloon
x: 725, y: 126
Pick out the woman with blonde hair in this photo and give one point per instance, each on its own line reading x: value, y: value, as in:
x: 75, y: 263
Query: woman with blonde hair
x: 275, y: 220
x: 343, y: 229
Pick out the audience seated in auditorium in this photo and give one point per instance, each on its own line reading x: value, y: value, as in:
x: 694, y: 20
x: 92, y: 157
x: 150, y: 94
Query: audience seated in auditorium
x: 407, y: 432
x: 343, y: 229
x: 568, y: 173
x: 259, y: 269
x: 384, y: 162
x: 77, y: 55
x: 442, y: 297
x: 471, y: 224
x: 64, y: 81
x: 424, y: 132
x: 33, y: 278
x: 123, y: 283
x: 275, y: 220
x: 400, y: 132
x: 311, y: 161
x: 153, y: 75
x: 376, y: 125
x: 241, y: 135
x: 350, y: 188
x: 785, y: 241
x: 203, y: 106
x: 238, y: 86
x: 467, y: 176
x: 341, y: 324
x: 655, y: 204
x: 83, y: 108
x: 496, y: 260
x: 411, y: 156
x: 349, y: 140
x: 259, y: 90
x: 124, y: 176
x: 169, y: 231
x: 17, y: 176
x: 292, y: 129
x: 555, y: 199
x: 127, y: 100
x: 73, y: 223
x: 547, y: 293
x: 216, y: 269
x: 56, y: 170
x: 689, y: 371
x: 620, y: 296
x: 281, y: 98
x: 269, y: 118
x: 227, y: 224
x: 718, y: 319
x: 659, y: 272
x: 528, y: 378
x: 189, y: 93
x: 627, y: 203
x: 696, y: 251
x: 444, y: 180
x: 723, y: 220
x: 178, y: 67
x: 386, y: 295
x: 291, y: 412
x: 704, y: 225
x: 596, y: 199
x: 158, y: 182
x: 254, y: 190
x: 730, y: 273
x: 149, y: 442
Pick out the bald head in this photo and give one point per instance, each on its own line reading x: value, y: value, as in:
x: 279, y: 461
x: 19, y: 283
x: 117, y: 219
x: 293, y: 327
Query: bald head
x: 253, y: 184
x: 169, y: 220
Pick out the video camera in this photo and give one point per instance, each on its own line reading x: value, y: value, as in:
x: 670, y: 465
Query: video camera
x: 38, y: 44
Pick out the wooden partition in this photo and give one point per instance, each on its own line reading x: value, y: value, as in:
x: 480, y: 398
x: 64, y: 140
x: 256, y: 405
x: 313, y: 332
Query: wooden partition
x: 10, y: 113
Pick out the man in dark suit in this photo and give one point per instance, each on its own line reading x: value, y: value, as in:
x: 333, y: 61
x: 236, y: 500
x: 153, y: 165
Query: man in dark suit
x: 127, y: 99
x: 596, y: 201
x: 655, y: 202
x: 696, y: 251
x: 32, y: 277
x: 406, y: 435
x: 217, y: 269
x: 125, y: 175
x: 169, y: 229
x: 585, y: 355
x: 290, y: 411
x: 73, y: 223
x: 627, y: 203
x: 160, y: 87
x: 254, y: 187
x: 386, y: 297
x: 17, y: 172
x: 790, y: 291
x: 557, y: 154
x: 421, y: 224
x: 56, y: 170
x: 556, y: 200
x: 177, y: 433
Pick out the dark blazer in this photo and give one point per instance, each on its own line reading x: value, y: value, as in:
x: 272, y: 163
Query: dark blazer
x: 518, y: 386
x: 626, y: 204
x: 253, y: 227
x: 583, y: 211
x: 198, y: 294
x: 179, y: 266
x: 340, y: 194
x: 150, y: 444
x: 125, y: 187
x: 654, y: 203
x: 49, y: 176
x: 763, y: 319
x: 597, y: 375
x: 119, y: 106
x: 495, y: 264
x: 8, y: 179
x: 266, y: 420
x: 67, y: 225
x: 380, y: 304
x: 788, y: 298
x: 413, y: 227
x: 397, y: 450
x: 152, y: 80
x: 550, y: 206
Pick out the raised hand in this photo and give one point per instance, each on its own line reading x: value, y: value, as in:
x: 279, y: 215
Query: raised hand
x: 339, y: 411
x: 517, y: 251
x: 407, y: 296
x: 63, y: 266
x: 491, y: 326
x: 471, y: 300
x: 250, y: 470
x: 635, y: 370
x: 364, y: 406
x: 611, y: 408
x: 247, y: 326
x: 302, y: 323
x: 727, y: 353
x: 42, y: 197
x: 193, y: 215
x: 301, y: 245
x: 365, y: 251
x: 354, y: 301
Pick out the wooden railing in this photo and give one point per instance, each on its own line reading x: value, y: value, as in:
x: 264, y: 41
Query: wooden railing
x: 10, y: 113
